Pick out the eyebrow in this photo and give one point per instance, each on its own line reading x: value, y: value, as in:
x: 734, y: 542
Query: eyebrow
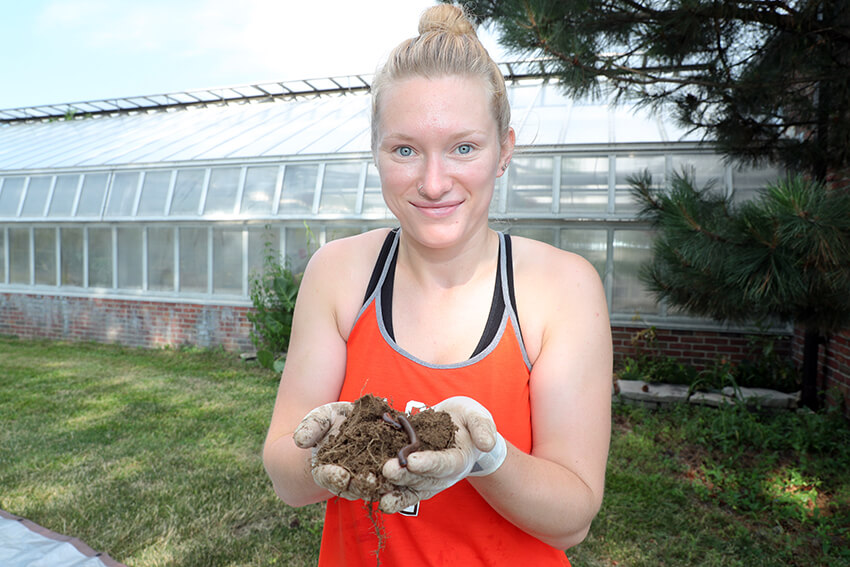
x: 401, y: 137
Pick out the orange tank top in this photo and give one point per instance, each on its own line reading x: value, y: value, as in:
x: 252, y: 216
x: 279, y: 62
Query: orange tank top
x: 455, y: 527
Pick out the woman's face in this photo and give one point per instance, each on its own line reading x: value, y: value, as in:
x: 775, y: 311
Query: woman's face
x: 438, y: 153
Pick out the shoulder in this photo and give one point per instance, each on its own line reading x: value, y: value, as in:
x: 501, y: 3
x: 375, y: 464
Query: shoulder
x: 350, y: 252
x: 338, y: 274
x: 557, y: 292
x: 556, y: 268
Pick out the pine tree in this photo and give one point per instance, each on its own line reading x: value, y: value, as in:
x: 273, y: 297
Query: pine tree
x: 765, y: 82
x: 783, y: 256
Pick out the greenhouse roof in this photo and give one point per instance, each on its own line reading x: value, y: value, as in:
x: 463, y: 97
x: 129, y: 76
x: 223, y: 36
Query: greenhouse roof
x: 295, y: 120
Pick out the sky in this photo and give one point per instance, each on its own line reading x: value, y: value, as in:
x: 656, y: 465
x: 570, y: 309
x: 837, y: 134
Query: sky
x: 63, y: 51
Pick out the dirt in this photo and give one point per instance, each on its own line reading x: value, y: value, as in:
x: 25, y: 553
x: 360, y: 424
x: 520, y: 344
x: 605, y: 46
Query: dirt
x: 365, y: 441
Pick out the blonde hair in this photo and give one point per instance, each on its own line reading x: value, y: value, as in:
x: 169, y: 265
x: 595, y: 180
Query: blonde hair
x: 446, y: 45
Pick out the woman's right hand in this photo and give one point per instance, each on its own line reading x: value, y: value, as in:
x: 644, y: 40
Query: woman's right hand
x: 313, y: 432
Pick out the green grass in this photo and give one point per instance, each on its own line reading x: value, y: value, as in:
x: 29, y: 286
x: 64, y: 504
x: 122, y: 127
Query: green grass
x: 154, y: 458
x: 150, y: 456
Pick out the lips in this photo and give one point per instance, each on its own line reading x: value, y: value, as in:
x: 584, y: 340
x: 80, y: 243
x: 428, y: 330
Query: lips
x: 438, y: 210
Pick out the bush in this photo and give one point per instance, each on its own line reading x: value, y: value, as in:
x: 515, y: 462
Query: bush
x: 273, y: 293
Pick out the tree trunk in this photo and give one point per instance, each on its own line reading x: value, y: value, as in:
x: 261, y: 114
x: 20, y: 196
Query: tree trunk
x: 811, y: 345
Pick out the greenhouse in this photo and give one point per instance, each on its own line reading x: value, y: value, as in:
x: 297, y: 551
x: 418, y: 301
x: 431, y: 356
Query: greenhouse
x: 143, y: 220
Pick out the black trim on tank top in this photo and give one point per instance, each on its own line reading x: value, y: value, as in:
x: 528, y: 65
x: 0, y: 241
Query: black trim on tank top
x: 497, y: 305
x: 379, y: 264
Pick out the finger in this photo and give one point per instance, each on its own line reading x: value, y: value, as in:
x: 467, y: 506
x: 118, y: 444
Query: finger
x: 482, y: 431
x: 333, y: 478
x: 364, y: 485
x: 398, y: 500
x: 437, y: 464
x: 313, y: 427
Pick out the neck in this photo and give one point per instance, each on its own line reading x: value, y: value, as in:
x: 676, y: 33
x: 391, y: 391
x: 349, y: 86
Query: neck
x: 451, y: 266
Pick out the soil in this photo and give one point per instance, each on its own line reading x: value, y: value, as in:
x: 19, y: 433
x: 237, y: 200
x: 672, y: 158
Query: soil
x: 365, y: 441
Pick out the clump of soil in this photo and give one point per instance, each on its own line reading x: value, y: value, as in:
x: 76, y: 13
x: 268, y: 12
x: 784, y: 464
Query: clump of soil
x: 365, y: 441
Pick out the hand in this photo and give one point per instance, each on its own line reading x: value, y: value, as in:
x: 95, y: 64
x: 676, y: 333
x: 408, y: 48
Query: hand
x: 313, y: 432
x: 478, y: 450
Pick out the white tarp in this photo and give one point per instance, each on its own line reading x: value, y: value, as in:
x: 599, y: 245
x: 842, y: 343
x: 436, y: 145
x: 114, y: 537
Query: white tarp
x: 25, y: 544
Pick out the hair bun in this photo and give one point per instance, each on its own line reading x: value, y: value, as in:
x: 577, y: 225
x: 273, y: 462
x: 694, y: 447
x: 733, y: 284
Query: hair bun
x: 445, y: 18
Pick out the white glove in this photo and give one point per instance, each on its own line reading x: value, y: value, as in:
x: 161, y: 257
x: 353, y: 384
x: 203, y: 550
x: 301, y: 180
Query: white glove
x: 313, y: 432
x: 478, y: 451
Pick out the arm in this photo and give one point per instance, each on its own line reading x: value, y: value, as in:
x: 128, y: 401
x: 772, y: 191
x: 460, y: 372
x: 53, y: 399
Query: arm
x: 555, y: 492
x: 314, y: 370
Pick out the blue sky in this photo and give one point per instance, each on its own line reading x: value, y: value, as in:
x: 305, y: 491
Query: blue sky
x: 55, y: 51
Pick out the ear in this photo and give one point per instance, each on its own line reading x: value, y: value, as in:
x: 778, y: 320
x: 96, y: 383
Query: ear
x: 507, y: 152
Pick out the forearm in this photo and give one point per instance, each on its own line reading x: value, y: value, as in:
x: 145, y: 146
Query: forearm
x: 540, y: 497
x: 289, y: 469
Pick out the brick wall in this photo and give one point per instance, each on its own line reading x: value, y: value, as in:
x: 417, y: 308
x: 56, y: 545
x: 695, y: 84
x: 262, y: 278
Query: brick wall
x: 129, y: 322
x: 700, y: 349
x: 833, y: 366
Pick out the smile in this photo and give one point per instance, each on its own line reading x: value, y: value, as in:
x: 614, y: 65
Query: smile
x: 438, y: 210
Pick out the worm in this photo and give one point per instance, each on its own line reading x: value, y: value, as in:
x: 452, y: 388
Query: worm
x: 402, y: 423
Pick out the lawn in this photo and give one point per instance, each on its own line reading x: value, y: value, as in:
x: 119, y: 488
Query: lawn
x: 153, y: 456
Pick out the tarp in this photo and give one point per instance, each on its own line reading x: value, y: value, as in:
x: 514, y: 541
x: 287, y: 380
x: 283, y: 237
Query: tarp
x: 26, y: 544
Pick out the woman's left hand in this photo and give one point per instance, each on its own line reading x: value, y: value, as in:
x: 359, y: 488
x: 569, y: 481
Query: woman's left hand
x: 478, y: 450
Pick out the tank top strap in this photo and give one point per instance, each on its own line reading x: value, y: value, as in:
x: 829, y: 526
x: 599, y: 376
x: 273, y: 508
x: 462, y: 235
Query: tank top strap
x: 503, y: 304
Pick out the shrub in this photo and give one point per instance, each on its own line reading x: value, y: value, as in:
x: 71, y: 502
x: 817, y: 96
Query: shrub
x: 273, y: 293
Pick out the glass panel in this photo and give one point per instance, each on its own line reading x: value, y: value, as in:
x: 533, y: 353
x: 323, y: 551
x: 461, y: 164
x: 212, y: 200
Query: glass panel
x: 45, y: 256
x: 259, y: 189
x: 628, y: 166
x: 257, y: 240
x: 100, y: 257
x: 299, y: 186
x: 91, y: 196
x: 227, y: 261
x: 707, y: 168
x: 161, y: 258
x: 62, y: 202
x: 154, y: 193
x: 72, y: 256
x: 10, y: 197
x: 591, y: 244
x: 299, y: 246
x: 36, y: 197
x: 130, y: 258
x: 224, y: 186
x: 193, y: 259
x: 530, y: 185
x: 632, y: 249
x: 2, y: 255
x: 19, y: 256
x: 747, y: 181
x: 373, y: 200
x: 584, y: 185
x: 339, y: 188
x: 187, y: 192
x: 122, y: 194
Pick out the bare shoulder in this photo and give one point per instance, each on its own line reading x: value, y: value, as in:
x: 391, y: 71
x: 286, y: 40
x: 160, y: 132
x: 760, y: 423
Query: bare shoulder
x: 339, y: 273
x: 556, y: 270
x: 557, y: 292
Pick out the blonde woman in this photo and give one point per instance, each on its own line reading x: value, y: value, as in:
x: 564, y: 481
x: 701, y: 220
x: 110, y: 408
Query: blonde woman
x: 509, y: 335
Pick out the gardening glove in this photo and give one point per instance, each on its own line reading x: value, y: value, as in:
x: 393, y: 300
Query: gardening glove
x: 478, y: 451
x: 313, y: 431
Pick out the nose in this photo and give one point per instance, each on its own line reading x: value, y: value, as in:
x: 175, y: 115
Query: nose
x: 435, y: 181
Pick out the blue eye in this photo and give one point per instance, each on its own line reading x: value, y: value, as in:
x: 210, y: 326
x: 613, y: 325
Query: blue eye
x: 405, y: 151
x: 464, y: 149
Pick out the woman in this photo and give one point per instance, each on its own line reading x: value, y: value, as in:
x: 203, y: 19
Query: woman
x: 509, y: 336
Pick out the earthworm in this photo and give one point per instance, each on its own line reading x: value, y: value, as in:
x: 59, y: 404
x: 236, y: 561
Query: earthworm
x: 402, y: 423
